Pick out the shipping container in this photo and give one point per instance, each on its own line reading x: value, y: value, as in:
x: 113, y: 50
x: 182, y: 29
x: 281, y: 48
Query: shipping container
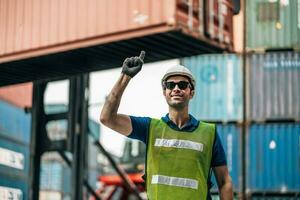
x: 276, y: 197
x: 219, y: 85
x: 50, y: 195
x: 14, y: 123
x: 55, y: 37
x: 14, y: 158
x: 11, y: 188
x: 93, y: 175
x: 19, y: 95
x: 273, y: 152
x: 217, y: 197
x: 43, y: 24
x: 230, y: 135
x: 273, y: 86
x: 55, y: 176
x: 273, y: 24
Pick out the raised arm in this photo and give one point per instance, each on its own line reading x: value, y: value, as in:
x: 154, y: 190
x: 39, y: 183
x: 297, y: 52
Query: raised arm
x: 109, y: 115
x: 224, y: 182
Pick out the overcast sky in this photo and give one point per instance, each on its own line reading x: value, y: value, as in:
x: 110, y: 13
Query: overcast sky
x: 142, y: 97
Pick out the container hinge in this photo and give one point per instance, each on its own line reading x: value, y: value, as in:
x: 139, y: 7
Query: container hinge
x: 200, y: 15
x: 211, y: 19
x: 221, y: 21
x: 190, y: 19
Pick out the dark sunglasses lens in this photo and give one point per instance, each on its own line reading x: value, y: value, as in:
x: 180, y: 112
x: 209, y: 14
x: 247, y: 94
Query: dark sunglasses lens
x: 170, y: 85
x: 182, y: 85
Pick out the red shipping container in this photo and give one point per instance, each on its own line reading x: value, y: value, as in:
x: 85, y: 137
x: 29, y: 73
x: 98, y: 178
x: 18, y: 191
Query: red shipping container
x: 19, y: 95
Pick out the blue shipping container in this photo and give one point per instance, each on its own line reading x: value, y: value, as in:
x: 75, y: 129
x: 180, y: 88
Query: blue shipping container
x: 275, y: 197
x: 55, y: 176
x: 273, y: 88
x: 11, y: 188
x: 14, y: 122
x: 219, y: 86
x: 273, y: 153
x: 230, y: 136
x: 14, y: 158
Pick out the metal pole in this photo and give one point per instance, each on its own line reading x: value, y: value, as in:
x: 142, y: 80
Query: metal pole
x: 37, y: 137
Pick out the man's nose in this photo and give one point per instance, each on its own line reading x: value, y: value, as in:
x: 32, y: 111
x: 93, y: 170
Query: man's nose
x: 176, y: 87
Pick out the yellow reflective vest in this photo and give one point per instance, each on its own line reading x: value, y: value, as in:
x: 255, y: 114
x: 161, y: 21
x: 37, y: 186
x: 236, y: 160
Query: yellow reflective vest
x: 178, y: 162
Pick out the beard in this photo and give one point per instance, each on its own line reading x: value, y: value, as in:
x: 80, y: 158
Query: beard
x: 178, y: 105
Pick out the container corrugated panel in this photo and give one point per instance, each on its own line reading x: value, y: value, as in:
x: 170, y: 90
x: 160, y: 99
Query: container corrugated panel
x: 275, y: 197
x: 273, y: 24
x: 218, y: 94
x: 93, y: 153
x: 50, y: 195
x: 93, y: 175
x: 219, y: 18
x: 230, y: 136
x: 11, y: 188
x: 217, y: 197
x: 19, y: 95
x: 273, y: 88
x: 33, y: 25
x: 14, y: 123
x: 51, y: 177
x: 273, y: 153
x: 14, y: 158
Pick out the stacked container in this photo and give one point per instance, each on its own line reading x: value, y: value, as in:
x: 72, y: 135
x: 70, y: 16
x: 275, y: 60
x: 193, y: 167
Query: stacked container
x: 14, y: 151
x: 273, y: 109
x: 273, y: 138
x: 273, y: 99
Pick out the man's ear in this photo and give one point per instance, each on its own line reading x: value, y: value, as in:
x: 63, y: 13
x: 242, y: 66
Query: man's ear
x: 192, y: 93
x: 164, y: 92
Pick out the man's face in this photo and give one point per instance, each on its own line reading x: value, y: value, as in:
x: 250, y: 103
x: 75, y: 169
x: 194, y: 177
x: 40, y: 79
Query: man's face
x: 178, y: 97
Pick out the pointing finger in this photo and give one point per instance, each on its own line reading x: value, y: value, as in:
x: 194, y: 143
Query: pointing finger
x: 142, y: 55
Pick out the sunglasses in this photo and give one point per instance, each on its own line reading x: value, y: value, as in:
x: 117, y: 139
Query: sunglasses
x: 181, y: 85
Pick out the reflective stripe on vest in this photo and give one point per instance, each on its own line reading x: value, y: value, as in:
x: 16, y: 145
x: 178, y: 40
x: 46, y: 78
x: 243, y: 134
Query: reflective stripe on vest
x: 184, y: 144
x: 175, y: 181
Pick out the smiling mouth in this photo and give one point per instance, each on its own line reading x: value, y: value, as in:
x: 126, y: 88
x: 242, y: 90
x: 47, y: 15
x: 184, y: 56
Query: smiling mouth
x: 176, y: 96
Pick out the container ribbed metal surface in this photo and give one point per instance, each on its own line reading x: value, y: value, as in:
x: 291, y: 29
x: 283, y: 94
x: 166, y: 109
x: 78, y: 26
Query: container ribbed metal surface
x: 273, y: 24
x: 14, y: 123
x: 273, y: 152
x: 54, y: 176
x: 273, y: 88
x: 14, y: 158
x: 275, y: 197
x: 45, y: 39
x: 230, y: 136
x: 11, y: 188
x: 40, y: 24
x: 218, y: 94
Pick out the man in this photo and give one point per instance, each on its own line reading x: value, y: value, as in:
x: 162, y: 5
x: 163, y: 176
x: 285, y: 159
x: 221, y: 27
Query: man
x: 180, y: 150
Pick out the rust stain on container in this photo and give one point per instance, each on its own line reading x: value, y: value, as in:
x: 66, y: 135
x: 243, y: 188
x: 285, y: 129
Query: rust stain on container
x: 38, y: 27
x: 19, y: 95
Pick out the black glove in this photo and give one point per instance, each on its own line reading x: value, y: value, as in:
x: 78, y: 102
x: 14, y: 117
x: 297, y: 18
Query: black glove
x: 132, y: 66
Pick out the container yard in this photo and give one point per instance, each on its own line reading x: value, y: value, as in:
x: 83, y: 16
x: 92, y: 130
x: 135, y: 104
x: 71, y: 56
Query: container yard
x: 69, y: 130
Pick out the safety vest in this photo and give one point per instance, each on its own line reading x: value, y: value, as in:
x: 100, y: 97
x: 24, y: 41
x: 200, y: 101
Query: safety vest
x: 178, y: 162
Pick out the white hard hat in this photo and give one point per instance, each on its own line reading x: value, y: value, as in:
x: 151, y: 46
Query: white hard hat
x: 179, y: 70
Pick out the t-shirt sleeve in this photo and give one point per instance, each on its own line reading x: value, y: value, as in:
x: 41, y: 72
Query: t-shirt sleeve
x: 140, y: 128
x: 218, y: 155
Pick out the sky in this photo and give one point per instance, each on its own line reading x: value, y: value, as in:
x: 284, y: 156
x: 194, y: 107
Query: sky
x: 142, y: 97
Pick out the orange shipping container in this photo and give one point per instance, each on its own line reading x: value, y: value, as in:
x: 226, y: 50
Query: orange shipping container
x: 19, y: 95
x: 39, y: 27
